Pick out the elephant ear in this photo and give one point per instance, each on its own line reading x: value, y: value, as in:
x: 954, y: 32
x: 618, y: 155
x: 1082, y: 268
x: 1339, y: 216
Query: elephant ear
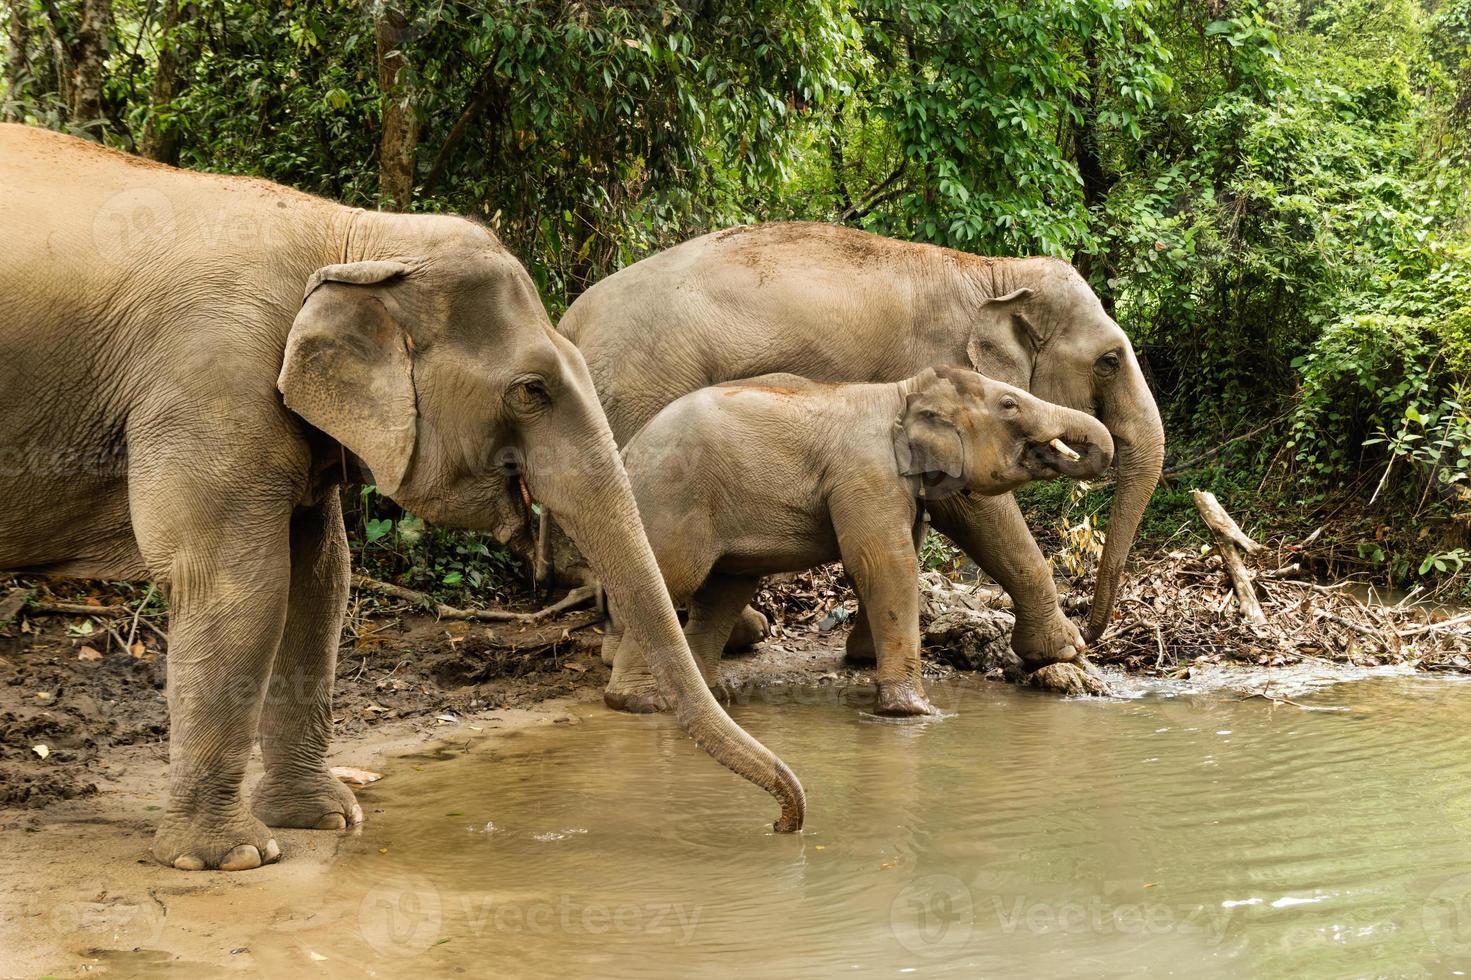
x: 348, y: 368
x: 927, y: 442
x: 1002, y: 343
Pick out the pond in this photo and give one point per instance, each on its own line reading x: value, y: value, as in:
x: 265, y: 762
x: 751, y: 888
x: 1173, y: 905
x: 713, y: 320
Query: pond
x: 1194, y: 833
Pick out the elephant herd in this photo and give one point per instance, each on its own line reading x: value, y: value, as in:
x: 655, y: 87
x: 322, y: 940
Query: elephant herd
x: 196, y: 363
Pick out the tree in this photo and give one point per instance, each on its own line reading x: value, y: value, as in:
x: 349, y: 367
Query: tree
x: 176, y: 51
x: 398, y: 143
x: 88, y: 54
x: 16, y: 69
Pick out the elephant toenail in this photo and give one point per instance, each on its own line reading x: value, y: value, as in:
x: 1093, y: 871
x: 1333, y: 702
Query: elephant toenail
x: 241, y: 858
x: 188, y: 862
x: 273, y: 850
x: 357, y: 814
x: 332, y: 821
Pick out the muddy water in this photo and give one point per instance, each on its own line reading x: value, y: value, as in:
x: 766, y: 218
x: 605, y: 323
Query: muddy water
x: 1175, y: 833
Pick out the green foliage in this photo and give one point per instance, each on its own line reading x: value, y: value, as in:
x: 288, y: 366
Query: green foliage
x: 1271, y: 196
x: 462, y: 568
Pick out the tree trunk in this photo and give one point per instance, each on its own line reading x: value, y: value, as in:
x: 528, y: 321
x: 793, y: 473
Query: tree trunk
x: 399, y: 142
x: 161, y: 133
x: 16, y: 69
x: 89, y: 53
x: 1097, y: 182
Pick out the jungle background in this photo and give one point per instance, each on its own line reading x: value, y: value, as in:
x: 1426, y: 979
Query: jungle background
x: 1271, y: 196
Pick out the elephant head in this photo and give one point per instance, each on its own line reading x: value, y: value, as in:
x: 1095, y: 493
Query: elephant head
x: 961, y: 431
x: 436, y: 365
x: 1040, y: 326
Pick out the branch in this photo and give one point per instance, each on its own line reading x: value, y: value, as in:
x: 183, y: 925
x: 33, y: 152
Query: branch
x: 876, y: 195
x: 572, y: 600
x: 484, y: 91
x: 1230, y: 542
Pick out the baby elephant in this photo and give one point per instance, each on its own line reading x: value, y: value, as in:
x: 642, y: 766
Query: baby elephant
x: 779, y: 473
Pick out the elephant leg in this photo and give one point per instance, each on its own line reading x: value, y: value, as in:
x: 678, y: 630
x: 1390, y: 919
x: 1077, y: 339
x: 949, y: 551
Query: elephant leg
x: 714, y: 612
x: 296, y: 724
x: 612, y: 637
x: 226, y: 565
x: 878, y: 553
x: 858, y: 649
x: 632, y: 687
x: 992, y: 531
x: 751, y: 627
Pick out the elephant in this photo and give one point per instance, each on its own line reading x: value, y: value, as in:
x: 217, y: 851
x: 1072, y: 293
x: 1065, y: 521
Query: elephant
x: 780, y: 473
x: 836, y: 304
x: 198, y: 362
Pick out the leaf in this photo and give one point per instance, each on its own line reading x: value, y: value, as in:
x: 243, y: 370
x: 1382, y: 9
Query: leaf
x: 89, y: 653
x: 355, y: 777
x: 42, y: 750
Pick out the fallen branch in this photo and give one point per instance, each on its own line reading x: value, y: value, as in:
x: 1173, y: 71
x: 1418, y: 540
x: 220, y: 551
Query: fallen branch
x: 1231, y: 541
x: 1356, y: 627
x: 1274, y: 698
x: 77, y: 609
x: 571, y: 600
x: 1444, y: 624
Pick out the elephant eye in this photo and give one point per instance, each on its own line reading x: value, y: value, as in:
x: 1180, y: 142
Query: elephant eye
x: 1108, y: 363
x: 528, y: 396
x: 1008, y: 404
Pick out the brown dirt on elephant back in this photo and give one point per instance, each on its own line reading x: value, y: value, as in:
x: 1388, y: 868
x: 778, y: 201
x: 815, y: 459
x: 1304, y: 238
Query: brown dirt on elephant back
x: 70, y: 693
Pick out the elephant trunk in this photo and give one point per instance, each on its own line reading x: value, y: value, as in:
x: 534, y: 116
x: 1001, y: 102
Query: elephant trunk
x: 1140, y: 450
x: 597, y: 510
x: 1073, y: 444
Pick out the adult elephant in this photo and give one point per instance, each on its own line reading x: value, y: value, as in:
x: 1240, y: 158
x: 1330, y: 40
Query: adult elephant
x: 835, y: 304
x: 175, y: 409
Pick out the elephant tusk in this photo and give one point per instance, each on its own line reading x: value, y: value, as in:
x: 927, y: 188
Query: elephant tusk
x: 1064, y: 450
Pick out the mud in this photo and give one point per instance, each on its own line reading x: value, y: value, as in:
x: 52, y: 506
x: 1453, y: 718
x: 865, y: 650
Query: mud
x: 69, y: 701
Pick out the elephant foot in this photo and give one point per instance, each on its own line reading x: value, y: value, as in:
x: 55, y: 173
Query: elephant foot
x: 1050, y: 640
x: 750, y: 629
x: 313, y: 802
x: 902, y: 700
x: 635, y: 702
x: 858, y: 650
x: 200, y: 842
x: 632, y: 689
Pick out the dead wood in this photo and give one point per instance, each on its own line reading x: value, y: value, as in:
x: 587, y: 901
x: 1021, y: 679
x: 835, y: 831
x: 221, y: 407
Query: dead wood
x: 577, y: 597
x: 1231, y: 542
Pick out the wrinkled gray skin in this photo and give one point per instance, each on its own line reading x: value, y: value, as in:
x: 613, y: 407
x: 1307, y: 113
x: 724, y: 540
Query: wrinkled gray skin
x: 176, y: 410
x: 778, y: 473
x: 835, y: 304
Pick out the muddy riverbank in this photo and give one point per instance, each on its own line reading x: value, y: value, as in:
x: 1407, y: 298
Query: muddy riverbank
x: 82, y: 701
